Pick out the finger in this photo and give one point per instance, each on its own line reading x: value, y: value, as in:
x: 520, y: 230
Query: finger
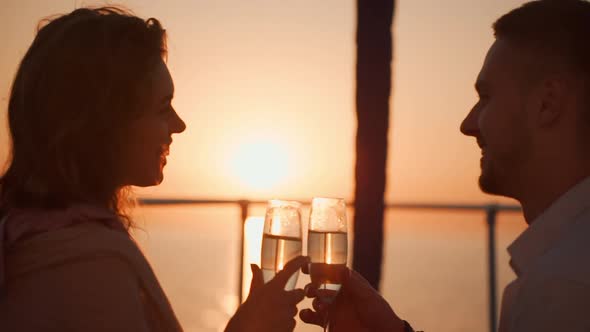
x: 257, y: 279
x: 319, y: 305
x: 292, y: 311
x: 290, y: 268
x: 311, y: 290
x: 310, y: 317
x: 292, y: 323
x: 305, y: 269
x: 295, y: 296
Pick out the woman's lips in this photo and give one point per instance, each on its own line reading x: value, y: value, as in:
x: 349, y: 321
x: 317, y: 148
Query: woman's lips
x: 163, y: 152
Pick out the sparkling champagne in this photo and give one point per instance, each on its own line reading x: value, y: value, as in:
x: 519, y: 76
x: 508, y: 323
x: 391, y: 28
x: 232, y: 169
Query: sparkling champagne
x: 328, y: 253
x: 276, y: 252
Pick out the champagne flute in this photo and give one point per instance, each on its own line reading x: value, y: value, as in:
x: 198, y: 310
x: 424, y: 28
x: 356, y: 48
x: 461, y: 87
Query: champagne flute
x: 327, y: 246
x: 281, y: 239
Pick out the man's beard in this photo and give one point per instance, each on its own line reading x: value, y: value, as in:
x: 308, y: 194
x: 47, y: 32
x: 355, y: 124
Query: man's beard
x: 498, y: 178
x: 489, y: 183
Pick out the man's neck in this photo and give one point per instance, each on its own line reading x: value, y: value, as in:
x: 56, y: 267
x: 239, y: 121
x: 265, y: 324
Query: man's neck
x: 543, y: 192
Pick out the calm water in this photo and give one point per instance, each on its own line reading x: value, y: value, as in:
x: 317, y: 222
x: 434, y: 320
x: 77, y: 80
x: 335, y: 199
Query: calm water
x: 434, y: 274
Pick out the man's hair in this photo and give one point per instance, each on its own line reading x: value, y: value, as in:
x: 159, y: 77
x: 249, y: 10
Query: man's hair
x: 75, y: 93
x: 554, y: 30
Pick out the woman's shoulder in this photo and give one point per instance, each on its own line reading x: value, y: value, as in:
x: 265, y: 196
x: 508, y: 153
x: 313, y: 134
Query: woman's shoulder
x: 90, y: 265
x: 86, y: 241
x: 89, y: 292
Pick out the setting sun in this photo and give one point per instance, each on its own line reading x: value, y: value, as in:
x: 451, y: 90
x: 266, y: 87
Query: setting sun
x: 261, y: 163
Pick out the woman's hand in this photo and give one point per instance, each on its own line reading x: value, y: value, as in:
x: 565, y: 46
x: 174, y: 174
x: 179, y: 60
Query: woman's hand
x: 269, y: 308
x: 358, y: 307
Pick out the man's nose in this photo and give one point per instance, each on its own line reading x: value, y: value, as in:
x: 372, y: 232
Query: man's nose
x: 469, y: 126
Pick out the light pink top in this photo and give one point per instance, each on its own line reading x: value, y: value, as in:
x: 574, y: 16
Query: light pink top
x: 77, y: 270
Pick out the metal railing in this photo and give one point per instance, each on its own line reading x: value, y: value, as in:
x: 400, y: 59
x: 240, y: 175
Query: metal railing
x: 491, y: 212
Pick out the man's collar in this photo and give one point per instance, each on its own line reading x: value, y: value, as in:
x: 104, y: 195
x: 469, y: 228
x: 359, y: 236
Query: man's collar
x: 546, y: 229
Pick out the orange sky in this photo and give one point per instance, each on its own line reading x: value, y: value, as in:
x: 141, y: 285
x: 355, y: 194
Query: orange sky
x: 267, y: 90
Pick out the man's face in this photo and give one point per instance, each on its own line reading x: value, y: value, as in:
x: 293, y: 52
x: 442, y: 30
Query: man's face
x: 499, y: 121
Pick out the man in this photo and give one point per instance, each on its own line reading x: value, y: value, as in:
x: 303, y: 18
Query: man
x: 532, y: 123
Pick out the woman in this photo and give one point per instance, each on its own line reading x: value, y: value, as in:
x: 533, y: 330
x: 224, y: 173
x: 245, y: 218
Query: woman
x: 90, y: 115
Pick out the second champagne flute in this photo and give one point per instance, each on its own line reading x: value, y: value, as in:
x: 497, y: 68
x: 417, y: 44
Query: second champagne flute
x: 281, y: 240
x: 327, y: 245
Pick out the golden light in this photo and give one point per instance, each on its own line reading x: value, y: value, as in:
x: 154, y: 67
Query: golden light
x: 280, y: 256
x: 328, y: 248
x: 252, y: 245
x: 261, y: 163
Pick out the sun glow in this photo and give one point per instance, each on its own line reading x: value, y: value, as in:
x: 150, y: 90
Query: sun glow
x: 252, y: 244
x: 328, y: 251
x: 260, y: 164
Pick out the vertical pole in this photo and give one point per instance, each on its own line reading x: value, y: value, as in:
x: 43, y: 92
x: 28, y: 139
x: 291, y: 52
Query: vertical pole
x: 491, y: 213
x: 244, y: 205
x: 374, y: 52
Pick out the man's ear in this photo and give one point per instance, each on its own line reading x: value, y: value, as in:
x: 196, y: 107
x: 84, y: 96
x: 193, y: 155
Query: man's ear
x: 551, y: 101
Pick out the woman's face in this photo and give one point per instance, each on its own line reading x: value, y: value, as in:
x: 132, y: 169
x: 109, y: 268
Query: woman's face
x: 150, y: 135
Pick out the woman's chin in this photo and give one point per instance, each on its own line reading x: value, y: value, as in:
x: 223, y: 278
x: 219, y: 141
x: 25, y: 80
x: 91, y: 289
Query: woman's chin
x: 149, y: 181
x: 157, y: 180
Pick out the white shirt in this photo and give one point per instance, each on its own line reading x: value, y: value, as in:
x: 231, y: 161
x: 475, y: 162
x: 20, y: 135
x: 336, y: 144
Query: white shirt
x: 552, y: 262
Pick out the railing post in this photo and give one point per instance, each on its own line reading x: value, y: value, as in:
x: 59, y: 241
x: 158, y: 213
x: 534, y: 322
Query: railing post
x: 244, y: 206
x: 491, y: 212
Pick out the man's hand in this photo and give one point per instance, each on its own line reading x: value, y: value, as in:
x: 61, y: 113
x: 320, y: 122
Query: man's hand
x: 358, y: 307
x: 269, y: 308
